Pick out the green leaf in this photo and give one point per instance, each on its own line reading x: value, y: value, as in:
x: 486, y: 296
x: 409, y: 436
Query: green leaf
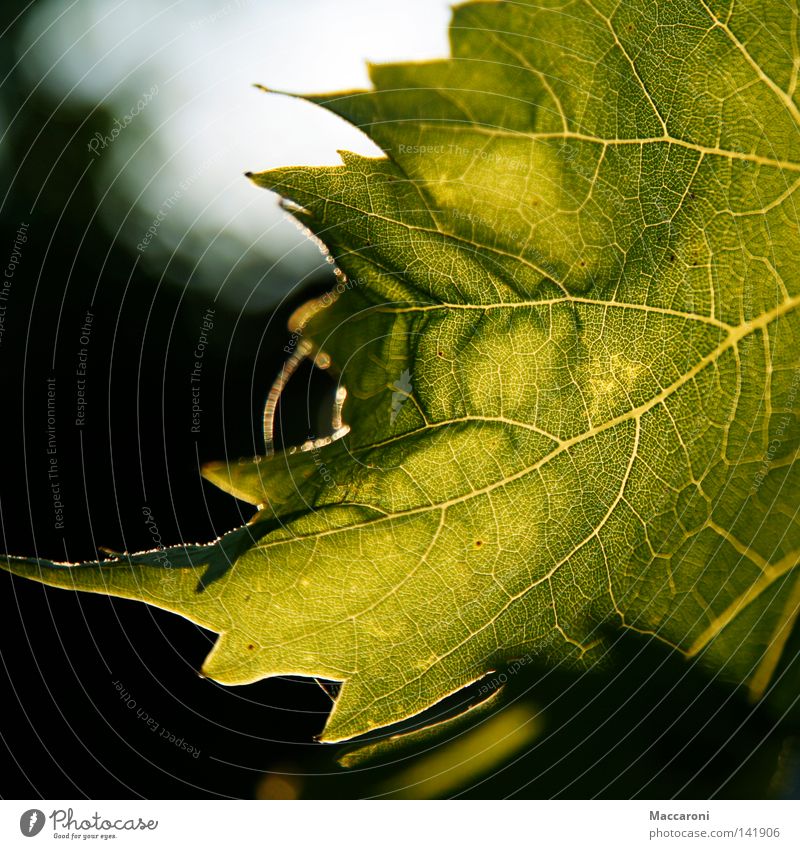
x: 567, y: 327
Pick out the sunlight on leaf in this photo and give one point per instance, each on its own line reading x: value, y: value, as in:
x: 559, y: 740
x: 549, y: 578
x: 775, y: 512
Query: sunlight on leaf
x: 579, y: 262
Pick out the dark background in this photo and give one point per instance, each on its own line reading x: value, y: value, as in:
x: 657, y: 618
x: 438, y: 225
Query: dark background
x: 651, y: 727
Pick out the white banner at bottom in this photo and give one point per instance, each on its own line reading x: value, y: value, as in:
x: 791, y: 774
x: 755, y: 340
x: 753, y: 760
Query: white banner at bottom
x: 400, y: 825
